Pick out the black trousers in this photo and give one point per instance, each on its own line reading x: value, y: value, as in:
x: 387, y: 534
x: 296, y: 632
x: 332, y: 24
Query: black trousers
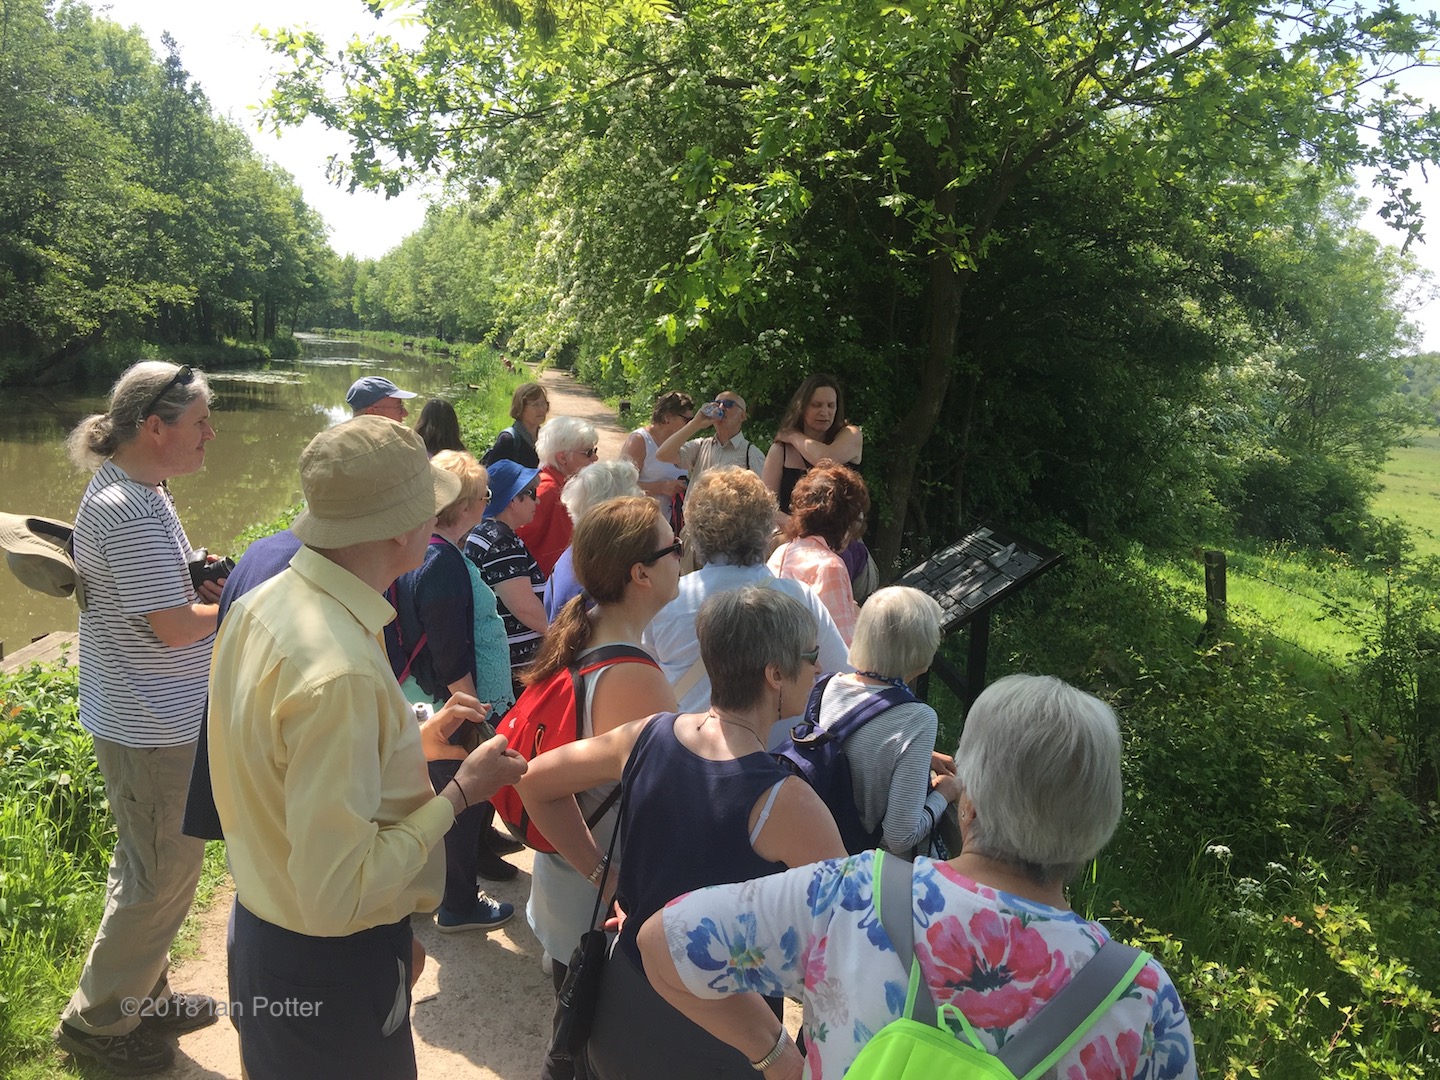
x: 321, y: 1008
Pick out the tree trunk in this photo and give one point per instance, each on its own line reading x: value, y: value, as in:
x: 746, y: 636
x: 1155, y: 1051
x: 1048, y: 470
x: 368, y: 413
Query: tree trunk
x: 947, y: 286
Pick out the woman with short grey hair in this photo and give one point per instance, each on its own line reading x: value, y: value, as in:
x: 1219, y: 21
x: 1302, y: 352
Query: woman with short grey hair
x: 601, y: 482
x: 994, y: 937
x: 566, y: 445
x: 1040, y: 797
x: 892, y: 754
x: 703, y: 803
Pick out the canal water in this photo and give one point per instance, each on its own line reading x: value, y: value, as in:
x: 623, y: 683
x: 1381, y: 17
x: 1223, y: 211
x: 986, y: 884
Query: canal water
x: 264, y: 414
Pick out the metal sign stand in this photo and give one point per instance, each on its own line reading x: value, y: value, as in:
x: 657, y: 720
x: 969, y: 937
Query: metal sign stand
x: 969, y: 578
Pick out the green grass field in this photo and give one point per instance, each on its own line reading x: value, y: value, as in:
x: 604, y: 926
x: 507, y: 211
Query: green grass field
x: 1410, y: 491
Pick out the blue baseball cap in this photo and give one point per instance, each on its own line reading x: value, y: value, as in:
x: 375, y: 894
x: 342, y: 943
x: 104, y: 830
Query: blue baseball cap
x: 367, y: 391
x: 507, y: 479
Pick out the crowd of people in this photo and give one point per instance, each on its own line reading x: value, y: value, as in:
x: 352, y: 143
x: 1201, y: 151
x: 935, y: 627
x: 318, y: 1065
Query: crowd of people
x: 329, y: 709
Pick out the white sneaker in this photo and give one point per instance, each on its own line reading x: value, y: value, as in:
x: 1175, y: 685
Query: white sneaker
x: 547, y: 963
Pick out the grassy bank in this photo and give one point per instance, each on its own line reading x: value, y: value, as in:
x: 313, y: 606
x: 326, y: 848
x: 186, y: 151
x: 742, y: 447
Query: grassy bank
x: 1410, y: 491
x: 1280, y: 836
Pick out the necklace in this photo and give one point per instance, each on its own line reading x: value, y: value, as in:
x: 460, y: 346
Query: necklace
x: 896, y: 681
x: 735, y: 723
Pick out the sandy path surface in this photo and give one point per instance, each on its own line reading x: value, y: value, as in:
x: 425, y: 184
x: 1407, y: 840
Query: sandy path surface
x: 482, y: 1007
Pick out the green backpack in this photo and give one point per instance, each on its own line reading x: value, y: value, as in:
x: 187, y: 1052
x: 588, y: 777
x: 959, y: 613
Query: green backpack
x: 918, y: 1046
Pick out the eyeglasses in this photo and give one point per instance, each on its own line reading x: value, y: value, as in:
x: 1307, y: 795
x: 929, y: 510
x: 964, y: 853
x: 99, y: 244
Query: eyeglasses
x: 592, y: 453
x: 677, y: 549
x: 810, y: 656
x: 727, y: 405
x: 528, y: 493
x: 183, y: 377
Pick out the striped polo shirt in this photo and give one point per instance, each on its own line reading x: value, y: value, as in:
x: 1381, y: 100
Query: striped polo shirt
x: 501, y: 557
x: 131, y: 550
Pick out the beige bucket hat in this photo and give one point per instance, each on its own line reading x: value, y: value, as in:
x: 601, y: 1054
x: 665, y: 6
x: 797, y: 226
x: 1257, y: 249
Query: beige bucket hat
x: 368, y: 479
x: 37, y: 550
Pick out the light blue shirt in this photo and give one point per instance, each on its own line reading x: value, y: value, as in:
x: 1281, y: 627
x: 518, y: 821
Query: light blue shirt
x: 671, y: 634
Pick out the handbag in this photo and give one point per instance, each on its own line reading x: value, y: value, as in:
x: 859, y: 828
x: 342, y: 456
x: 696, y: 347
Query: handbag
x: 580, y: 993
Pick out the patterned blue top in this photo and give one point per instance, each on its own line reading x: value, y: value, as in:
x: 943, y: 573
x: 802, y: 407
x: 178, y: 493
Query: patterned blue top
x: 999, y: 958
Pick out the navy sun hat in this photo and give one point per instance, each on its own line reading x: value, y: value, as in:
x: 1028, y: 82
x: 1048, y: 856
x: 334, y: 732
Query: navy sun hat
x: 367, y: 391
x: 507, y: 479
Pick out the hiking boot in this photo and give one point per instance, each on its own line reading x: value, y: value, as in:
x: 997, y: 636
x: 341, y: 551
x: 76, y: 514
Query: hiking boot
x: 492, y: 867
x: 136, y: 1053
x: 179, y: 1013
x: 492, y: 839
x: 487, y: 914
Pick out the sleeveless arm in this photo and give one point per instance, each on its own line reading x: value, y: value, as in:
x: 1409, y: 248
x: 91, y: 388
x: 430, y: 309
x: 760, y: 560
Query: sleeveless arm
x: 801, y: 829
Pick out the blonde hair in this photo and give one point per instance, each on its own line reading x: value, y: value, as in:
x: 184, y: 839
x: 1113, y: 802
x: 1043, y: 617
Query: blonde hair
x: 473, y: 481
x: 729, y: 512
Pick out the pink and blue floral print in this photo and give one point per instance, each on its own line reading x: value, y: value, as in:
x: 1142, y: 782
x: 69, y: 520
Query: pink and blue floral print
x: 999, y: 958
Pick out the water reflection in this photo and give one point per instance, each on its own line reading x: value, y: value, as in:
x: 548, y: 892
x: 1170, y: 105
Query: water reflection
x: 264, y: 415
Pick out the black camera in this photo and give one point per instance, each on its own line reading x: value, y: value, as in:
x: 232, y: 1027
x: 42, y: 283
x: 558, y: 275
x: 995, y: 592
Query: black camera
x: 203, y: 570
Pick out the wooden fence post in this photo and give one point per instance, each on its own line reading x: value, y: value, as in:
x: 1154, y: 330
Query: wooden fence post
x: 1214, y: 593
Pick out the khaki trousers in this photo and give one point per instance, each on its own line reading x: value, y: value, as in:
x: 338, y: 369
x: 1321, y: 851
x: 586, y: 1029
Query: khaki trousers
x: 153, y: 874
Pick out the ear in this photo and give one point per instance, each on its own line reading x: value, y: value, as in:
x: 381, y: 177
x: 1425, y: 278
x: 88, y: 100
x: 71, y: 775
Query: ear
x: 640, y: 574
x: 774, y: 677
x: 151, y: 425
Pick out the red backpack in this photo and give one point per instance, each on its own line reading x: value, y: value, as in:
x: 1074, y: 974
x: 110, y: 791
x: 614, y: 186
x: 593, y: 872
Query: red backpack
x: 547, y: 715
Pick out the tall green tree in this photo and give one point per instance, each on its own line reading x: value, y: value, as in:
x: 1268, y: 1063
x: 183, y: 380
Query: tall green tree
x: 889, y: 140
x: 127, y: 210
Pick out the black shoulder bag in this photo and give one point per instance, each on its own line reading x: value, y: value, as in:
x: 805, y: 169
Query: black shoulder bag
x: 580, y: 993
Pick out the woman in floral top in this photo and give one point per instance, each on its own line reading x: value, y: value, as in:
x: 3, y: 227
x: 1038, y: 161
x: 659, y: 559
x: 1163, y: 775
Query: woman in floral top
x: 1039, y: 763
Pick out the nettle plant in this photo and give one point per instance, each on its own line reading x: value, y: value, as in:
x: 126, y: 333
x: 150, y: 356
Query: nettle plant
x: 1288, y: 983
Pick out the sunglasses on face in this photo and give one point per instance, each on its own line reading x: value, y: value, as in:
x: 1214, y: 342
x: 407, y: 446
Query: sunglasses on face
x: 811, y: 656
x: 677, y: 549
x: 528, y: 493
x: 183, y: 377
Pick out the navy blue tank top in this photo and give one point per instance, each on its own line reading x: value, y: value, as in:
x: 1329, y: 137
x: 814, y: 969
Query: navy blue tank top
x: 687, y: 823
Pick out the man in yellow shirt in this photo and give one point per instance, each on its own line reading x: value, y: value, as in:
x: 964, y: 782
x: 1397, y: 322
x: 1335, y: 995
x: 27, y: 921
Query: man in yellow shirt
x: 332, y: 829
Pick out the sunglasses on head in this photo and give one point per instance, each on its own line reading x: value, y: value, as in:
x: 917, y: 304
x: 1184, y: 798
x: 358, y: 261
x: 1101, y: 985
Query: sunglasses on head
x: 183, y: 377
x: 677, y: 549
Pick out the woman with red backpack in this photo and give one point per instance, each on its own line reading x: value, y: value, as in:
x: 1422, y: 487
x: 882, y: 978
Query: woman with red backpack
x: 624, y: 554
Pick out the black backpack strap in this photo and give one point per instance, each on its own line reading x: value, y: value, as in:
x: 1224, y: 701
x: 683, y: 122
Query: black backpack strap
x: 811, y: 720
x: 602, y: 657
x: 1079, y: 1004
x: 861, y: 713
x: 608, y: 654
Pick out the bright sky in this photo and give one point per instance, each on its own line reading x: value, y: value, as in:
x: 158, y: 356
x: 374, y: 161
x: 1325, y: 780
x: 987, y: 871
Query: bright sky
x: 220, y: 50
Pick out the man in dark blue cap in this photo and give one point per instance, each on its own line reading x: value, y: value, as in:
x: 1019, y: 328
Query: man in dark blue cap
x: 377, y: 396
